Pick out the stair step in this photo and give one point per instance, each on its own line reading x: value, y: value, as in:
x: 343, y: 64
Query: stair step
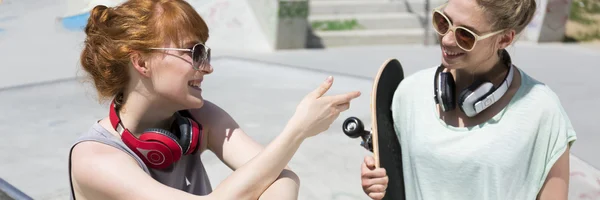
x: 349, y: 0
x: 368, y: 6
x: 367, y: 37
x: 353, y: 7
x: 365, y: 21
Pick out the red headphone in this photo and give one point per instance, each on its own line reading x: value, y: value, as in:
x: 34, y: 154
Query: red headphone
x: 160, y: 148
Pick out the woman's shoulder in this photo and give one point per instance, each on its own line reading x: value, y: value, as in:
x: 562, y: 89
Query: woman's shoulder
x: 102, y: 144
x: 99, y: 133
x: 99, y: 142
x: 540, y: 94
x: 542, y: 102
x: 543, y: 105
x: 93, y: 155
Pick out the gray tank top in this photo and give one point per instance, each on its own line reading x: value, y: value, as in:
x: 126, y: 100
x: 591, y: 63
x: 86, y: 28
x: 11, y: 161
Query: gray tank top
x: 187, y: 174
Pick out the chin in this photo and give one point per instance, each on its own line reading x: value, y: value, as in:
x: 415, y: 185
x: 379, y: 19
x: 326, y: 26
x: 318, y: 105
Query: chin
x: 188, y: 102
x: 453, y: 58
x: 456, y: 63
x: 194, y: 103
x: 449, y: 64
x: 198, y: 104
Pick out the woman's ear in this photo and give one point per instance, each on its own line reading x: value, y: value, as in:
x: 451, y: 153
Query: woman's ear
x: 139, y: 64
x: 506, y: 39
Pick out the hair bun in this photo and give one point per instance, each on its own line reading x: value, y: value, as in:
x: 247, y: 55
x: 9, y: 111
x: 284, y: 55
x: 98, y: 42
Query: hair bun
x: 98, y: 17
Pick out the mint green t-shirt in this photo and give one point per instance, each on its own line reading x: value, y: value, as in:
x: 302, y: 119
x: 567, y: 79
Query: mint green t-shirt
x: 507, y: 157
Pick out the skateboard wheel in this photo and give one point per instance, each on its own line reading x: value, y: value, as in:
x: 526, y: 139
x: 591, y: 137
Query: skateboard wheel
x: 353, y: 127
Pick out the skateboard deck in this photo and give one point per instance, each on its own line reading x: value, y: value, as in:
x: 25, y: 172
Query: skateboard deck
x: 382, y: 139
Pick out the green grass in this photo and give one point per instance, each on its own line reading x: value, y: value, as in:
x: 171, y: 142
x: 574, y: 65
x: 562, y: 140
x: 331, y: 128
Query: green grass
x: 581, y: 9
x: 588, y: 36
x: 335, y: 25
x: 585, y: 12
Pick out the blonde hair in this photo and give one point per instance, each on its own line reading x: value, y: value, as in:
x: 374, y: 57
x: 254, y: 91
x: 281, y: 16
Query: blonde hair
x: 509, y: 14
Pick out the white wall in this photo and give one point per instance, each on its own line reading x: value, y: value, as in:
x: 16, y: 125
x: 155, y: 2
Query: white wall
x: 266, y: 14
x: 233, y: 25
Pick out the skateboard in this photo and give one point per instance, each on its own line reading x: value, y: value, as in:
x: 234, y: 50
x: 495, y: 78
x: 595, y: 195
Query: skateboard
x: 382, y: 139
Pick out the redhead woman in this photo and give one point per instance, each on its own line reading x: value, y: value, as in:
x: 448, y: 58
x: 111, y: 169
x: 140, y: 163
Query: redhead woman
x: 149, y: 59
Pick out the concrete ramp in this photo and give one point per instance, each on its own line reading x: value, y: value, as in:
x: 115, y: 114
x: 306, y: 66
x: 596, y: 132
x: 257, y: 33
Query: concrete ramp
x: 39, y: 64
x: 78, y: 11
x: 41, y: 171
x: 241, y: 25
x: 233, y: 24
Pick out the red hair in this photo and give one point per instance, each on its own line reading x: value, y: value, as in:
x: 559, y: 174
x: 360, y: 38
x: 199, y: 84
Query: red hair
x: 136, y: 25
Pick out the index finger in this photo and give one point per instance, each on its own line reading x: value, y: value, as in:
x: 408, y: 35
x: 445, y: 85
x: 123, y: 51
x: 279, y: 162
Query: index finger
x: 344, y: 98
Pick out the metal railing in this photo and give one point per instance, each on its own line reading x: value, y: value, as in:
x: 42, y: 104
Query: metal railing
x: 425, y: 22
x: 10, y: 192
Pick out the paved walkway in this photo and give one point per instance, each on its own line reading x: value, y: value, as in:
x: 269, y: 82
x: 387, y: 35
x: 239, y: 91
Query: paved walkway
x: 36, y: 160
x: 38, y: 84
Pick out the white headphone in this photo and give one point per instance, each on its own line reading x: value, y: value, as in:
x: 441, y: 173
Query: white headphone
x: 477, y: 97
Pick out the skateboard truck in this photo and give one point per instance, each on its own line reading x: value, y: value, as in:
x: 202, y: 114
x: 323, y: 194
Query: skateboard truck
x: 354, y: 128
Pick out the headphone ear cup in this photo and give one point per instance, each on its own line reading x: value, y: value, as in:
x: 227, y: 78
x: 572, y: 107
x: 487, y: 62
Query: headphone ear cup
x: 448, y: 88
x: 477, y: 85
x: 165, y: 137
x: 185, y: 133
x: 196, y: 133
x: 468, y: 91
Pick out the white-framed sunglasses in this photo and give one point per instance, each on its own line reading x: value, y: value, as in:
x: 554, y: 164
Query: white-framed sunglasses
x: 465, y: 38
x: 200, y: 55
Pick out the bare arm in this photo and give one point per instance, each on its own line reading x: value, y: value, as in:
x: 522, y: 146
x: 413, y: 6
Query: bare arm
x: 286, y: 186
x: 250, y: 180
x: 314, y: 114
x: 103, y: 172
x: 235, y: 148
x: 556, y: 186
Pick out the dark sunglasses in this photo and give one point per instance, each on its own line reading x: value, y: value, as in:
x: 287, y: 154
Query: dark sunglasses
x: 465, y: 38
x: 200, y: 55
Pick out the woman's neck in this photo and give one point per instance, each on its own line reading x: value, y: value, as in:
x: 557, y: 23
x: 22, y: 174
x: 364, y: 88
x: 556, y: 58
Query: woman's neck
x: 492, y: 69
x: 138, y: 113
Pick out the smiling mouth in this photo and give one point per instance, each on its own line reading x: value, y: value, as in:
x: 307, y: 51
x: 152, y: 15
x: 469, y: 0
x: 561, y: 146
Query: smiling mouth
x: 194, y: 84
x: 451, y: 54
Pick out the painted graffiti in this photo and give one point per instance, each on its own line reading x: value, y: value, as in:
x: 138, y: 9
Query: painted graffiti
x: 585, y: 193
x: 232, y: 24
x: 222, y: 13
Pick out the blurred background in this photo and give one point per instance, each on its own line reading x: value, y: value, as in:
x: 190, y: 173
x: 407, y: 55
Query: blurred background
x: 271, y: 53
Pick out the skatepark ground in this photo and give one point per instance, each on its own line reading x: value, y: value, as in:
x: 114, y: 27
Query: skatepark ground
x: 45, y: 105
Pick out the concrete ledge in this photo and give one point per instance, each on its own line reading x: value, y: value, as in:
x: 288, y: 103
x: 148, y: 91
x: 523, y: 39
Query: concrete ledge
x: 370, y: 37
x: 373, y: 20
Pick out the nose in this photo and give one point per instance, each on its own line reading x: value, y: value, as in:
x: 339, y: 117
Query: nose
x: 208, y: 69
x: 449, y: 39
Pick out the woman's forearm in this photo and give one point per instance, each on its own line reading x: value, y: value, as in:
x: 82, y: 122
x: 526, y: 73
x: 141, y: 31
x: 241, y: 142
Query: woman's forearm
x: 286, y: 187
x: 254, y: 177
